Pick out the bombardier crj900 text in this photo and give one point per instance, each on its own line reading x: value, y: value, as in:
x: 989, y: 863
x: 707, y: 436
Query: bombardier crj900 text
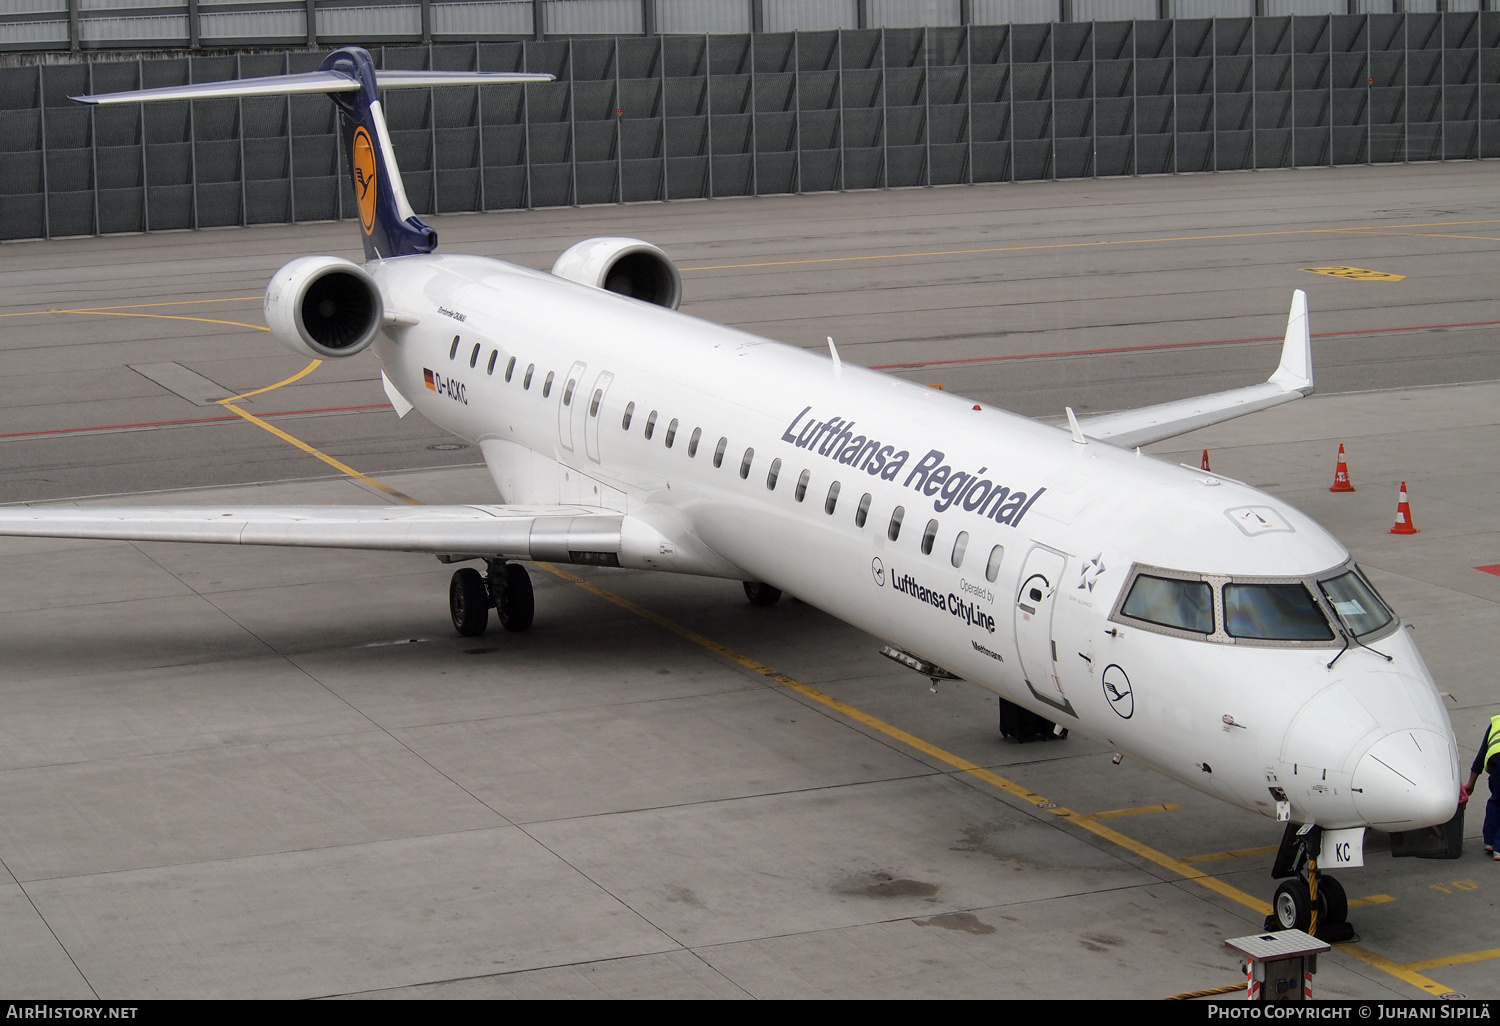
x: 1193, y: 622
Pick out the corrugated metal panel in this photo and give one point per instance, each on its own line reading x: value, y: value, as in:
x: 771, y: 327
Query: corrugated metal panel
x: 696, y: 16
x: 253, y: 25
x: 592, y: 17
x: 1280, y: 7
x: 158, y: 28
x: 1000, y: 12
x: 911, y: 13
x: 808, y: 15
x: 370, y: 22
x: 33, y: 33
x: 34, y: 7
x: 1212, y: 8
x: 1463, y: 5
x: 1114, y: 10
x: 482, y: 18
x: 127, y: 5
x: 1373, y: 7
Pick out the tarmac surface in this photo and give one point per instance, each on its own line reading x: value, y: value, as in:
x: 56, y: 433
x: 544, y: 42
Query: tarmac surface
x: 263, y: 773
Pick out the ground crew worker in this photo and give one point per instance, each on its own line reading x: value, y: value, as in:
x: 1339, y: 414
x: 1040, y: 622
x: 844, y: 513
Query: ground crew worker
x: 1488, y: 759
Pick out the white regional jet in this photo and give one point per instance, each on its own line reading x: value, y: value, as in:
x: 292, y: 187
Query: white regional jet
x: 1192, y: 622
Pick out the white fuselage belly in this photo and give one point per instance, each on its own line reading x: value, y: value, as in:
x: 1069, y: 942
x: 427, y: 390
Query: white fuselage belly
x: 1089, y: 512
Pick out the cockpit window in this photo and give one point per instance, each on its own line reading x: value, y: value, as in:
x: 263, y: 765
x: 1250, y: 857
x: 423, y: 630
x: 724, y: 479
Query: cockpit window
x: 1273, y: 612
x: 1172, y: 602
x: 1356, y: 603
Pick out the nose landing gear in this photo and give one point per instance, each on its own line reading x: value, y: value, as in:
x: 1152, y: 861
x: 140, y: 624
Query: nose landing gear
x: 505, y: 587
x: 1307, y: 900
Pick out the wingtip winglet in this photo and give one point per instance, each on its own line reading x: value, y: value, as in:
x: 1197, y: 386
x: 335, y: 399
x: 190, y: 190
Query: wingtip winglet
x: 1295, y: 372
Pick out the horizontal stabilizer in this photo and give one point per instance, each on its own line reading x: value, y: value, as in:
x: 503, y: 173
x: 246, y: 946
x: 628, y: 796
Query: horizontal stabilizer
x: 313, y: 82
x: 1293, y: 380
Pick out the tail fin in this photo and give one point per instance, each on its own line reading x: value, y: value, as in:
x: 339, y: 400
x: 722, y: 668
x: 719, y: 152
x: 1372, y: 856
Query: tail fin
x: 389, y: 225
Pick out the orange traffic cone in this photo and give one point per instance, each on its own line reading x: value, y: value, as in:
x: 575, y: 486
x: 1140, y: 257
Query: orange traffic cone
x: 1403, y: 515
x: 1205, y: 459
x: 1341, y: 474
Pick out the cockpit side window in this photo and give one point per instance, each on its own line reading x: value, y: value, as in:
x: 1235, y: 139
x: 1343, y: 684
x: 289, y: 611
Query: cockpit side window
x: 1356, y: 603
x: 1273, y: 612
x: 1172, y: 602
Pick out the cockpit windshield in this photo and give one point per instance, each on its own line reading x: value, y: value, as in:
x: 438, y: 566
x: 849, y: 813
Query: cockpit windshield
x: 1316, y: 611
x: 1273, y: 612
x: 1356, y: 603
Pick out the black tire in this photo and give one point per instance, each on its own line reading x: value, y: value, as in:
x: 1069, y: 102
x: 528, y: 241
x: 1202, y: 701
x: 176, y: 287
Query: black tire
x: 1292, y: 905
x: 469, y: 602
x: 1333, y: 902
x: 516, y: 602
x: 761, y: 594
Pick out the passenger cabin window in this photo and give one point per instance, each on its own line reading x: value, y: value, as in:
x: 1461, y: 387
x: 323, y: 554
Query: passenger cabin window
x: 862, y: 511
x: 526, y: 381
x: 1358, y: 607
x: 547, y: 385
x: 671, y: 433
x: 960, y: 546
x: 745, y: 463
x: 774, y: 473
x: 719, y: 452
x: 830, y: 503
x: 893, y: 530
x: 928, y: 537
x: 650, y: 425
x: 453, y: 349
x: 510, y: 369
x: 494, y: 355
x: 1273, y: 612
x: 693, y: 442
x: 474, y: 356
x: 568, y: 391
x: 801, y: 492
x: 992, y: 568
x: 625, y: 420
x: 594, y: 403
x: 1172, y: 602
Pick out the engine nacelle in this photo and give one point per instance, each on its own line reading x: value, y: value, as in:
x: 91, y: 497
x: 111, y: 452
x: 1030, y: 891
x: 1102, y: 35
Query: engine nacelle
x: 324, y: 306
x: 627, y: 267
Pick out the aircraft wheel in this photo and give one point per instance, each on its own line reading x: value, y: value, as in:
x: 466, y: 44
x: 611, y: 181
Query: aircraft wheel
x: 516, y: 602
x: 1292, y: 905
x: 761, y: 594
x: 1333, y: 903
x: 469, y: 602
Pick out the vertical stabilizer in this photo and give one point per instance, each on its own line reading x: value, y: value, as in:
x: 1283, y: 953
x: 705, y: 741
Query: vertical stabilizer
x: 389, y: 225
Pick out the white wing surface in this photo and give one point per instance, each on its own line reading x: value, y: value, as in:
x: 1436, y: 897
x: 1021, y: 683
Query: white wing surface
x: 570, y: 534
x: 1293, y: 380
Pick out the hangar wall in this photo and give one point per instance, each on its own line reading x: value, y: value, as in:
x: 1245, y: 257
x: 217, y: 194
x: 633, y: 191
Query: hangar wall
x: 665, y: 117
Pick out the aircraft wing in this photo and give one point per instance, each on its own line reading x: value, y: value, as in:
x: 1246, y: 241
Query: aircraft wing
x: 569, y: 534
x: 1293, y: 380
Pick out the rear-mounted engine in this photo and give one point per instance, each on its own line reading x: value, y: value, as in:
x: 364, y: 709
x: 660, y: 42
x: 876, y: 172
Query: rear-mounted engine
x: 325, y: 307
x: 626, y: 267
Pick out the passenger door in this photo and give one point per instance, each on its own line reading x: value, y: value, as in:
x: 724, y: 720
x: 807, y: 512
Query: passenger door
x: 592, y: 413
x: 1035, y: 602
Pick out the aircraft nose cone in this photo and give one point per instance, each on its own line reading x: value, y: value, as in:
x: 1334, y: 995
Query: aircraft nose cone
x: 1407, y: 779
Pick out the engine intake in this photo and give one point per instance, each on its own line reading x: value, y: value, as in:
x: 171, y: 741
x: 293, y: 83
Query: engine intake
x: 626, y: 267
x: 325, y: 307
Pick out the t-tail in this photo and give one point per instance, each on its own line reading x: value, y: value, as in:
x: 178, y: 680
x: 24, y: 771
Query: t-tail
x: 389, y: 226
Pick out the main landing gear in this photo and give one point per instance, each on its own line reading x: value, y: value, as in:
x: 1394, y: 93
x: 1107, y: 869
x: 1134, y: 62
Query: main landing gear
x: 761, y: 594
x: 505, y: 587
x: 1306, y: 899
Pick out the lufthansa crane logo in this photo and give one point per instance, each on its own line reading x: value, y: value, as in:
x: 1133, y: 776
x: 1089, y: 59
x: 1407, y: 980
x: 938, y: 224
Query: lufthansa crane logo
x: 363, y: 161
x: 1117, y: 690
x: 877, y: 569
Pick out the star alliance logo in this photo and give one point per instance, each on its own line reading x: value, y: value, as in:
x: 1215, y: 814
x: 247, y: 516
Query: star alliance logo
x: 1090, y: 572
